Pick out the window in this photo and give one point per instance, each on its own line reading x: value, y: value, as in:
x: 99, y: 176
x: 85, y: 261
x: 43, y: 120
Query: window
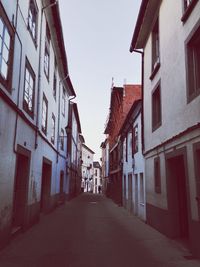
x: 126, y: 151
x: 188, y: 6
x: 156, y: 108
x: 155, y: 49
x: 157, y: 175
x: 44, y: 114
x: 53, y: 121
x: 141, y: 189
x: 6, y: 50
x: 55, y: 79
x: 193, y: 66
x: 62, y: 139
x: 48, y: 35
x: 63, y: 102
x: 46, y: 61
x: 95, y: 172
x: 32, y: 19
x: 29, y: 89
x: 135, y: 139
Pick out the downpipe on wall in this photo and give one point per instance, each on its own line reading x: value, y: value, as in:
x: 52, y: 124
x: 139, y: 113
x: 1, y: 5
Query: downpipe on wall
x: 19, y: 79
x: 142, y: 87
x: 39, y: 72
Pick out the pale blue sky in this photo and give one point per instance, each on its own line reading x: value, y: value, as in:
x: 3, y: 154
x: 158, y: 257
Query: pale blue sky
x: 97, y: 37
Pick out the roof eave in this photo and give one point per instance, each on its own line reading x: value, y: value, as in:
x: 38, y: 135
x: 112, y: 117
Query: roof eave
x: 148, y: 11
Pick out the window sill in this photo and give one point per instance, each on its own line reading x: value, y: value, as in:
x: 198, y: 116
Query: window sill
x: 44, y: 131
x: 156, y: 126
x: 25, y: 108
x: 155, y: 70
x: 193, y: 96
x: 188, y: 11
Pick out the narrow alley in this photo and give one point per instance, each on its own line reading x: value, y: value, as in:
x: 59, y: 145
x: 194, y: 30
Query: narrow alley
x: 92, y: 231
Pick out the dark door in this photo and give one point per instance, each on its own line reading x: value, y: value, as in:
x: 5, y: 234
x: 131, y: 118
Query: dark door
x: 130, y: 193
x: 177, y: 193
x: 20, y: 190
x: 61, y: 197
x: 46, y: 187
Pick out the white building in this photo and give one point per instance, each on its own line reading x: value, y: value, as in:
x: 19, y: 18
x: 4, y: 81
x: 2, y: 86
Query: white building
x: 168, y: 33
x: 74, y: 150
x: 105, y: 165
x: 87, y: 168
x: 34, y: 91
x: 97, y: 178
x: 133, y: 163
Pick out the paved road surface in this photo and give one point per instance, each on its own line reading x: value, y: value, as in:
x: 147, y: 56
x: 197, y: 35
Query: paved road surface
x: 91, y: 231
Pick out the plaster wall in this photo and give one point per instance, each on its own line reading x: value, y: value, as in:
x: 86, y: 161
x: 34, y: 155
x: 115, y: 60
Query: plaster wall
x: 172, y: 76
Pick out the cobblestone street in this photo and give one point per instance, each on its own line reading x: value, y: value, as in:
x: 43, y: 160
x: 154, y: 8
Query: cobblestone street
x: 92, y: 231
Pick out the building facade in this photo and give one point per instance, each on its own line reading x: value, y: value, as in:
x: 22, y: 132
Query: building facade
x: 171, y: 63
x: 133, y: 182
x: 97, y: 178
x: 87, y: 168
x: 105, y: 165
x: 74, y: 150
x: 34, y: 90
x: 121, y: 101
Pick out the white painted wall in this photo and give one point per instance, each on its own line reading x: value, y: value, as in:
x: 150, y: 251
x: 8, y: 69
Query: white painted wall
x: 177, y: 114
x: 97, y: 180
x: 136, y: 169
x: 25, y: 135
x: 172, y: 73
x: 87, y: 174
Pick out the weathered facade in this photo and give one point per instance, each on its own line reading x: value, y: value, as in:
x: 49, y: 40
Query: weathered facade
x: 97, y: 178
x: 121, y: 101
x: 74, y: 150
x: 87, y: 168
x: 34, y: 90
x: 133, y: 183
x: 171, y: 87
x: 105, y: 165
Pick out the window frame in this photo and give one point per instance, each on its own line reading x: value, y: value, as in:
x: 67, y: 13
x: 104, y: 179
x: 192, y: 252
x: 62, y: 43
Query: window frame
x: 135, y: 141
x: 63, y: 102
x: 155, y: 49
x: 156, y: 123
x: 44, y: 127
x: 36, y: 21
x: 7, y: 82
x: 62, y: 139
x: 53, y: 118
x: 32, y: 74
x: 192, y: 45
x: 55, y: 79
x: 187, y: 9
x: 46, y: 56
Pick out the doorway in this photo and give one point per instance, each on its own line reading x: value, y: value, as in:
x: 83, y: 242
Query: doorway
x: 46, y: 186
x: 177, y: 197
x: 136, y: 195
x: 20, y: 195
x: 130, y: 193
x: 61, y: 193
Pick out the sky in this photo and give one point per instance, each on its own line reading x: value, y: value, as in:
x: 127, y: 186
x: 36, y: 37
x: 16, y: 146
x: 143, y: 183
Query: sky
x: 97, y: 38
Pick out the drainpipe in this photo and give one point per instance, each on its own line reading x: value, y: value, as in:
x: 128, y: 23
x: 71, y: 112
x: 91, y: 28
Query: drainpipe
x: 58, y: 131
x: 39, y: 72
x: 20, y: 66
x: 142, y: 85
